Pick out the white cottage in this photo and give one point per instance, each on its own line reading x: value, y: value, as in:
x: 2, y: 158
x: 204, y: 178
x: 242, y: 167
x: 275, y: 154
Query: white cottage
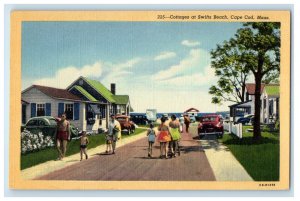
x: 269, y: 103
x: 86, y: 102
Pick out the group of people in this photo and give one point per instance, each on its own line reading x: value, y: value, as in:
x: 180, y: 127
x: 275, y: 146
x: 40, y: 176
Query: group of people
x: 63, y: 135
x: 168, y: 136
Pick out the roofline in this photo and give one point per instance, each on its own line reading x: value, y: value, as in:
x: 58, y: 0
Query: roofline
x: 240, y: 103
x: 27, y: 89
x: 82, y: 93
x: 73, y: 83
x: 34, y: 86
x: 68, y: 88
x: 97, y: 90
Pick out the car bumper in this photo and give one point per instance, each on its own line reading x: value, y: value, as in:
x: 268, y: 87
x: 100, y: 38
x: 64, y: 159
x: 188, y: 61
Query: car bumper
x: 211, y: 133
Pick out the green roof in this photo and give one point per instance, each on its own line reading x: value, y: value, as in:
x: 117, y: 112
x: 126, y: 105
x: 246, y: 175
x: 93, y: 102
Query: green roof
x: 272, y: 90
x: 85, y: 93
x: 121, y: 99
x: 100, y: 88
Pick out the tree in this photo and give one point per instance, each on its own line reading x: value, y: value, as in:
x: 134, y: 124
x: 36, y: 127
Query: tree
x: 232, y: 73
x: 257, y: 49
x: 260, y: 44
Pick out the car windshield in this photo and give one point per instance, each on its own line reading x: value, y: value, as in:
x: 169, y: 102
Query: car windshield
x: 32, y: 122
x: 121, y: 119
x: 52, y: 121
x: 208, y: 119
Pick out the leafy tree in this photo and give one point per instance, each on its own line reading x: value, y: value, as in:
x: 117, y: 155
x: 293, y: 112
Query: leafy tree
x: 256, y: 48
x: 232, y: 73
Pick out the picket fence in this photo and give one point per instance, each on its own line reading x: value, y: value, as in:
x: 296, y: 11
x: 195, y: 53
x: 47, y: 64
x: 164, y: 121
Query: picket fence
x: 236, y: 129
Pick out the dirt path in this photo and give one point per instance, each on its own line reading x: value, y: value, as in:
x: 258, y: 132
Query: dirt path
x: 130, y: 163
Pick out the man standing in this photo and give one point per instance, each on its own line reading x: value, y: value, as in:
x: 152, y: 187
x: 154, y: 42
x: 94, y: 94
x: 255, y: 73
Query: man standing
x: 63, y: 134
x: 187, y: 122
x: 114, y: 130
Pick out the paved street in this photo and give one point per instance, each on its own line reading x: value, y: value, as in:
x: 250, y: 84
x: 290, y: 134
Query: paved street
x: 132, y: 164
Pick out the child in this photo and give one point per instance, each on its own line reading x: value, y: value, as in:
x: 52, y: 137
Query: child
x: 151, y: 139
x: 83, y: 144
x: 108, y: 143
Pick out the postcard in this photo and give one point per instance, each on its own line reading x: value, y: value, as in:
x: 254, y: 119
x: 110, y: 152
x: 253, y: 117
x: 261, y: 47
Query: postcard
x: 150, y: 100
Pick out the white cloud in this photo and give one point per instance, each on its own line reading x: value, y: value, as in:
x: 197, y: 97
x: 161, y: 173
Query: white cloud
x: 118, y: 72
x: 190, y: 43
x: 191, y: 62
x: 128, y: 64
x: 193, y: 80
x: 165, y: 55
x: 67, y: 75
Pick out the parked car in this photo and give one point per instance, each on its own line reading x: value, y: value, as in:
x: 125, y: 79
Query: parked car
x: 211, y: 125
x: 247, y: 119
x: 139, y: 119
x: 47, y: 125
x: 126, y: 125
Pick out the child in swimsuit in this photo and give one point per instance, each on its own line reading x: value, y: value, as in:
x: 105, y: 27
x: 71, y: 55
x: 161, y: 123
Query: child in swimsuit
x: 83, y: 145
x: 151, y: 139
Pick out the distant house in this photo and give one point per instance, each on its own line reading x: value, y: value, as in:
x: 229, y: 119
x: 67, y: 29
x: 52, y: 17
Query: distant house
x: 87, y: 103
x: 269, y: 103
x: 192, y: 111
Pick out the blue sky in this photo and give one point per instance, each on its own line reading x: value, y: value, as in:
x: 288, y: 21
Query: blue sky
x: 154, y: 62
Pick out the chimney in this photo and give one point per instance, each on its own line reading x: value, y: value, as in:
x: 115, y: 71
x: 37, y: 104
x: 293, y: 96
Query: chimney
x: 113, y: 88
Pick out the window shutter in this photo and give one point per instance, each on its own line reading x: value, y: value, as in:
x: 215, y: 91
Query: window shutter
x: 48, y: 109
x: 76, y: 111
x: 33, y: 109
x: 61, y: 107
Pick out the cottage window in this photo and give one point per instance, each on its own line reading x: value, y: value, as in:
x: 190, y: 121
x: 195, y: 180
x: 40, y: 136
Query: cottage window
x: 40, y: 110
x: 69, y: 111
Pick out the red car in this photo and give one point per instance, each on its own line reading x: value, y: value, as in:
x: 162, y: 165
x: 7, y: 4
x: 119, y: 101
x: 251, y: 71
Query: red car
x: 125, y: 123
x: 211, y: 125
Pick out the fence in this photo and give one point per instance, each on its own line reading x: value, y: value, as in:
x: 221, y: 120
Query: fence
x: 236, y: 129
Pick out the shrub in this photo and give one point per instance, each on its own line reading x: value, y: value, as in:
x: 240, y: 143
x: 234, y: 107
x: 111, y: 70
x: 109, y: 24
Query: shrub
x: 33, y: 142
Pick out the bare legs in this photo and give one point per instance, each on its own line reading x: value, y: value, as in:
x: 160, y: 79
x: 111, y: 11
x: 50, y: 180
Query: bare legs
x: 150, y: 149
x: 163, y: 149
x: 61, y: 146
x: 83, y: 151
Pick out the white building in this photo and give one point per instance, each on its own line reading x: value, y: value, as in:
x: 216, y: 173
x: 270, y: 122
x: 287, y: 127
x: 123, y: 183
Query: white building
x: 87, y: 103
x: 269, y: 103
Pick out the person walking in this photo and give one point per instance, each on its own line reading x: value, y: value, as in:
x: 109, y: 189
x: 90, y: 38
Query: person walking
x: 175, y: 135
x: 114, y: 130
x: 108, y: 139
x: 181, y: 121
x: 151, y: 139
x: 187, y: 121
x: 163, y: 138
x: 63, y: 134
x: 83, y: 145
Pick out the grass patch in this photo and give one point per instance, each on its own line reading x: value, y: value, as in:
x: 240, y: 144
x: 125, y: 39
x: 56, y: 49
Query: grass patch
x: 259, y: 158
x: 35, y: 158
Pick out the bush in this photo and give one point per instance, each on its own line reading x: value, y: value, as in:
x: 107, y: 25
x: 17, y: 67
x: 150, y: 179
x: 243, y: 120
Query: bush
x: 33, y: 142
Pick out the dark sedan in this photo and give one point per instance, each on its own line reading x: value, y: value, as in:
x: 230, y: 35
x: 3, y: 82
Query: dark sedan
x: 47, y: 125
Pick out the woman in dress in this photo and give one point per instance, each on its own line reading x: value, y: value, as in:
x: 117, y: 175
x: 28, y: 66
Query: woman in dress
x: 175, y: 134
x: 163, y: 138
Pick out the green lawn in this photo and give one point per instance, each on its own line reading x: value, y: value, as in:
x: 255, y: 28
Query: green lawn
x: 35, y: 158
x: 260, y: 159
